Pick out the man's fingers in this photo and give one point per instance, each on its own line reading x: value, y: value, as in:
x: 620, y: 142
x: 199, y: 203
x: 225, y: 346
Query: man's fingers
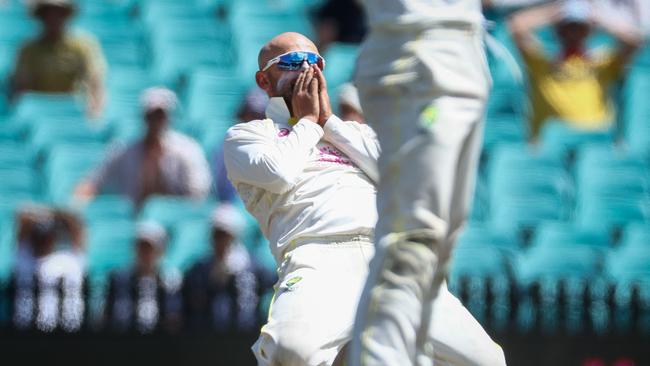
x: 299, y: 83
x: 309, y: 76
x: 313, y: 87
x: 321, y: 78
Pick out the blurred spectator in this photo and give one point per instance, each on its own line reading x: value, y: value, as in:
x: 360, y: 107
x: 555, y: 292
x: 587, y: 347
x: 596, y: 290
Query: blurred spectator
x: 48, y: 278
x: 224, y: 288
x: 340, y: 21
x: 253, y: 107
x: 574, y: 85
x: 634, y: 12
x: 349, y: 104
x: 164, y: 162
x: 58, y: 61
x: 142, y: 298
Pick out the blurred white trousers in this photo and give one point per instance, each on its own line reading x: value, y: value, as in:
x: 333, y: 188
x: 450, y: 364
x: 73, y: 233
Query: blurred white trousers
x: 424, y: 93
x: 312, y: 314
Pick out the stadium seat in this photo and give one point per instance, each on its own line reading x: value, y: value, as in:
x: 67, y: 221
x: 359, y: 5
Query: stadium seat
x: 558, y: 135
x: 629, y: 264
x: 541, y: 263
x: 6, y: 250
x: 13, y: 154
x: 19, y: 180
x: 604, y: 170
x: 483, y: 261
x: 33, y: 106
x: 190, y: 242
x: 566, y: 236
x: 46, y: 134
x: 110, y: 246
x: 613, y: 186
x: 636, y: 112
x: 108, y: 207
x: 504, y: 129
x: 483, y: 235
x: 612, y: 212
x: 526, y: 187
x: 66, y: 166
x: 636, y: 235
x: 169, y: 211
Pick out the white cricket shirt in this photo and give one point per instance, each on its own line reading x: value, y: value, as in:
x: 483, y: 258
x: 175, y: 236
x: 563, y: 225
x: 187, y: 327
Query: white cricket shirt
x: 421, y: 14
x: 303, y: 181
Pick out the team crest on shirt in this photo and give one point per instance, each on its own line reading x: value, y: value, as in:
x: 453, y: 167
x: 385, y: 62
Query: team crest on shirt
x: 292, y: 282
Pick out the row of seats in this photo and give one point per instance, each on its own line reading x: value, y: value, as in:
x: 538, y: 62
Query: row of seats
x: 518, y: 186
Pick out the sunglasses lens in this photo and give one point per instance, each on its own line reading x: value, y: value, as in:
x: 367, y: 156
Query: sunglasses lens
x: 293, y: 61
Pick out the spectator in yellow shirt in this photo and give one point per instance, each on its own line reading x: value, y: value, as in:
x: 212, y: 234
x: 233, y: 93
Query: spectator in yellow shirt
x: 57, y: 61
x: 574, y: 85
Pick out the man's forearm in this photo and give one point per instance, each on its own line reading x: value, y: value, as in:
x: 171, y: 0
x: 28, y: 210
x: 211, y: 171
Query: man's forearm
x: 526, y: 21
x: 628, y: 35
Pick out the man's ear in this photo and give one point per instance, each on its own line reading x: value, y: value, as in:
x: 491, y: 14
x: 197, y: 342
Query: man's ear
x: 263, y: 81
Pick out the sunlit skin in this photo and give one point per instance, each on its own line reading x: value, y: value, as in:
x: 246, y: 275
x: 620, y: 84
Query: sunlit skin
x: 281, y: 83
x: 147, y: 256
x: 221, y: 243
x: 573, y: 35
x: 157, y: 121
x: 54, y: 19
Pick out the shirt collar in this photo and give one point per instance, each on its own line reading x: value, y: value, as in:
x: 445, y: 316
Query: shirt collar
x: 278, y: 111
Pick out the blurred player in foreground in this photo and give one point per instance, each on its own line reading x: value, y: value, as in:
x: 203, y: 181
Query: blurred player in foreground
x: 309, y: 179
x: 423, y: 82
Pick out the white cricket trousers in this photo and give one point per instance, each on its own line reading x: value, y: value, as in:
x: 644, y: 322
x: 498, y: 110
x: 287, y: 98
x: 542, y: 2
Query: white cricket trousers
x: 424, y: 93
x: 312, y: 313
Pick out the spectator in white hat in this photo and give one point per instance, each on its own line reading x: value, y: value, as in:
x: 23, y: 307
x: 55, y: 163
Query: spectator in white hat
x: 163, y: 162
x: 574, y: 85
x: 143, y: 297
x: 226, y: 286
x: 57, y: 61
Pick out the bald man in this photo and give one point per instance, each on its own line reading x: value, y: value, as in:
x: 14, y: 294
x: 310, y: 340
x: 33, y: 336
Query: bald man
x: 309, y: 179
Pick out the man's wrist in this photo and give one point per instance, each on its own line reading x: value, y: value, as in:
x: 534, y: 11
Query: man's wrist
x: 323, y: 120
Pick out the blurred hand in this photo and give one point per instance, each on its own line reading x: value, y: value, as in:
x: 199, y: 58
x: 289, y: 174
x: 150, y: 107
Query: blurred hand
x: 305, y: 100
x: 323, y: 97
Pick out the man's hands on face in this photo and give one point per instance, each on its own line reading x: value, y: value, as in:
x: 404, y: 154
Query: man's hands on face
x: 305, y: 99
x: 324, y: 98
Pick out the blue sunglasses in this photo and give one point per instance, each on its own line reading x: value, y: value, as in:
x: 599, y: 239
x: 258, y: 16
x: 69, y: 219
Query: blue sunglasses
x: 292, y: 61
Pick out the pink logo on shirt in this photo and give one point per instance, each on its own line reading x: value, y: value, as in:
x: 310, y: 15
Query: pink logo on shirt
x: 331, y: 155
x: 283, y: 132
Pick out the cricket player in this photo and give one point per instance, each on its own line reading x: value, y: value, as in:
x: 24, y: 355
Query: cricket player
x: 309, y: 179
x: 423, y: 82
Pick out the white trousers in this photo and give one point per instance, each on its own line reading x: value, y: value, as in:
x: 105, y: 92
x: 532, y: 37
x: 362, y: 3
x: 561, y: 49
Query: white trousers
x: 424, y: 93
x: 312, y: 313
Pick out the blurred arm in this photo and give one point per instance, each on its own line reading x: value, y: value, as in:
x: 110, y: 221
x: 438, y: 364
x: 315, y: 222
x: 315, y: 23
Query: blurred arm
x: 630, y: 38
x: 524, y: 23
x: 254, y: 155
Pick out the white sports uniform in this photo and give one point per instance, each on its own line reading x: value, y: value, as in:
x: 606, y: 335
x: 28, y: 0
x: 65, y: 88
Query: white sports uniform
x: 311, y: 192
x: 423, y: 82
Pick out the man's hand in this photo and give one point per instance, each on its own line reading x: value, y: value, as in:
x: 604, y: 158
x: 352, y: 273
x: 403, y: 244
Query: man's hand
x: 324, y: 98
x: 305, y: 101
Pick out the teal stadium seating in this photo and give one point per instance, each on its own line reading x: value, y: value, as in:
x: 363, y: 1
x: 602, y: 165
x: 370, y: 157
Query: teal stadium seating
x: 527, y: 187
